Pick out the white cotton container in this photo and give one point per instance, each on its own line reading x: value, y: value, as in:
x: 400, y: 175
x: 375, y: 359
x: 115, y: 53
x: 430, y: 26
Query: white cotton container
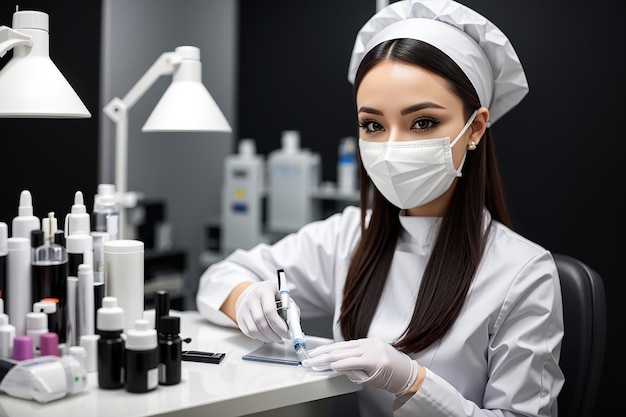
x: 124, y: 276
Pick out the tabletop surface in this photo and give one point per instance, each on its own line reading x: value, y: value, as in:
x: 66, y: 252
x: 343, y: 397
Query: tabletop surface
x: 232, y: 388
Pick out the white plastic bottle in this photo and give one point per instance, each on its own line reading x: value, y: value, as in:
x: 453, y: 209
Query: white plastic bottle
x: 124, y: 277
x: 294, y: 174
x: 25, y: 221
x: 242, y: 198
x: 7, y: 334
x: 19, y: 282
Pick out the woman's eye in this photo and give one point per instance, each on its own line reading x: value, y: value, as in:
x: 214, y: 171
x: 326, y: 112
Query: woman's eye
x: 371, y: 126
x: 424, y: 123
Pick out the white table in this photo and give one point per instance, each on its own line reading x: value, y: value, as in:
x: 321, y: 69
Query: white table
x: 235, y: 387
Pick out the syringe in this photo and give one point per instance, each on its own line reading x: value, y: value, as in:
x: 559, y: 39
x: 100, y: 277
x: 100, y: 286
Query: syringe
x: 291, y: 314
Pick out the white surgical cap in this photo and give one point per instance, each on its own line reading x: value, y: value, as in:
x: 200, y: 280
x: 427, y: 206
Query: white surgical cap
x: 477, y: 46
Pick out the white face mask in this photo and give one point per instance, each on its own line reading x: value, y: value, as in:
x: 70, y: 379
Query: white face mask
x: 412, y: 173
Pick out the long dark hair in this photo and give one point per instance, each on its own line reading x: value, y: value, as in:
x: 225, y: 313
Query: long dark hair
x: 462, y: 234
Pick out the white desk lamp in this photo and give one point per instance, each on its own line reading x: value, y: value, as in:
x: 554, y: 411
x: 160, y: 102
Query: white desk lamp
x: 186, y: 106
x: 31, y: 86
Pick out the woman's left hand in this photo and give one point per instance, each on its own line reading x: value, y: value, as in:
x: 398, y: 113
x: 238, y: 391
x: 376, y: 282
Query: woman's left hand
x: 369, y: 360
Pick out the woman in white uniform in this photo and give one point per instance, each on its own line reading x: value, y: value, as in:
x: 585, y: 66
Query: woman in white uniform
x: 440, y: 308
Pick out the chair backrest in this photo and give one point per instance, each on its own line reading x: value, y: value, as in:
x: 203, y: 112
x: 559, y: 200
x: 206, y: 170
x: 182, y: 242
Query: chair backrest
x: 582, y: 351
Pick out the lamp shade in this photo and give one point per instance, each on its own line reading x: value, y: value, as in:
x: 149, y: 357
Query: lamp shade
x: 186, y: 105
x: 31, y: 85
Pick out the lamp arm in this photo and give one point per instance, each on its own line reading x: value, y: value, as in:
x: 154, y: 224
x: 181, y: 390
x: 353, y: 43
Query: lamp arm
x: 10, y: 38
x: 164, y: 65
x: 117, y: 110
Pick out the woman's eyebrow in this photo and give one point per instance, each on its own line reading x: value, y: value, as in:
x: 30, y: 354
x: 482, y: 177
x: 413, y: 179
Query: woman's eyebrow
x: 420, y: 106
x: 370, y: 110
x: 404, y: 112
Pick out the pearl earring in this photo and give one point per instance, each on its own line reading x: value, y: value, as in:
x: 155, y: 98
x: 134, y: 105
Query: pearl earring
x: 471, y: 146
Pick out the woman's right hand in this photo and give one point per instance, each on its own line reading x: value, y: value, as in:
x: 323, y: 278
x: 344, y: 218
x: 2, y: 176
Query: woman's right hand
x: 256, y: 313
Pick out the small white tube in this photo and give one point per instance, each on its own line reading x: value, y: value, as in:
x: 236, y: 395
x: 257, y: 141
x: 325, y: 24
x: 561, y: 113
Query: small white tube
x: 72, y: 312
x: 19, y: 283
x: 86, y: 307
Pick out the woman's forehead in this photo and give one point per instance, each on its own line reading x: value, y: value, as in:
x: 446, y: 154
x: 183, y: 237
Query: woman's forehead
x: 394, y: 83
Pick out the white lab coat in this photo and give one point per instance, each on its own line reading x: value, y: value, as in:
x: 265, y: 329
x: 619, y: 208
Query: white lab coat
x: 499, y: 359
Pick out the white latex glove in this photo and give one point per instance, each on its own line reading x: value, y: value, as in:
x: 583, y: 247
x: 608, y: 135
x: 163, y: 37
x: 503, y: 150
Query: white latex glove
x: 256, y: 313
x: 369, y: 360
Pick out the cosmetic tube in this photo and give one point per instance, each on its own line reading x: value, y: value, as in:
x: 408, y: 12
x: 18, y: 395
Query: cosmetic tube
x: 4, y: 252
x: 77, y: 221
x: 124, y: 276
x: 71, y: 312
x: 90, y: 343
x: 25, y: 221
x: 18, y: 298
x: 85, y: 301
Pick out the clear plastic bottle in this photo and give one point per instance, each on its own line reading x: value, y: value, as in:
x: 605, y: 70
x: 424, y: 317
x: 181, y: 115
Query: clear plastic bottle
x: 106, y: 211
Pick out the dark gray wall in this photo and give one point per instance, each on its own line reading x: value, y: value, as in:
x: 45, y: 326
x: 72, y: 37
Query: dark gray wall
x: 54, y: 158
x: 560, y: 150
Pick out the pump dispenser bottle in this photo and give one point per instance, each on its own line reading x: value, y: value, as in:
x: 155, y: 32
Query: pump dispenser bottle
x: 142, y: 358
x: 110, y: 325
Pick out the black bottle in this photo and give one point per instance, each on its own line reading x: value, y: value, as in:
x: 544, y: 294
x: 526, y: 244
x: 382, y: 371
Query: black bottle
x: 110, y: 325
x: 141, y: 364
x: 170, y: 350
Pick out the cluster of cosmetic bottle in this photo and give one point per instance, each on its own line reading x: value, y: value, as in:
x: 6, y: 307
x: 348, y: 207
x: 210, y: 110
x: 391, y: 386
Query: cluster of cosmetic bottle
x: 79, y: 292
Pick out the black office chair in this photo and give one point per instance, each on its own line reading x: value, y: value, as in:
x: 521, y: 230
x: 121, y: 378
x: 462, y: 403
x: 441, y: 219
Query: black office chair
x: 582, y: 352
